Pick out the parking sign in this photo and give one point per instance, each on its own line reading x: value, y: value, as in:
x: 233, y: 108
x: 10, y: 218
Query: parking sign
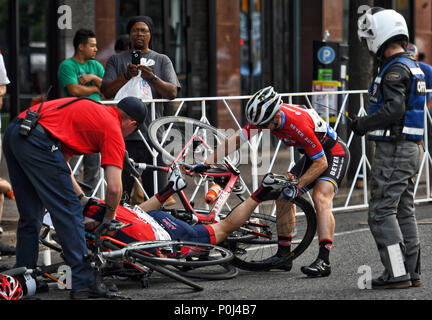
x: 326, y: 55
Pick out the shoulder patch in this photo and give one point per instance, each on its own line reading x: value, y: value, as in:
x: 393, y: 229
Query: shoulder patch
x: 393, y: 76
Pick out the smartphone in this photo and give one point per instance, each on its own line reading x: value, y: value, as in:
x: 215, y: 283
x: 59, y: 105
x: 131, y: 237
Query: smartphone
x: 136, y: 57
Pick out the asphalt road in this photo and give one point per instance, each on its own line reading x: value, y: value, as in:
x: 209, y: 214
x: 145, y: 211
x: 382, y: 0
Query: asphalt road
x: 353, y: 252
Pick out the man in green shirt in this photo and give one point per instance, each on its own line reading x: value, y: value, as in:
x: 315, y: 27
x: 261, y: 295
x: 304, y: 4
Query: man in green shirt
x: 81, y: 76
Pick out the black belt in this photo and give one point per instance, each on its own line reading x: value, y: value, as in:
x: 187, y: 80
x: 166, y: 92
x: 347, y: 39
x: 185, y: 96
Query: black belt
x: 46, y: 133
x: 39, y: 128
x: 42, y: 130
x: 419, y: 142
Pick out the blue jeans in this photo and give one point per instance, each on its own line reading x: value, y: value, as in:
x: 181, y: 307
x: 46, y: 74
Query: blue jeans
x: 41, y: 179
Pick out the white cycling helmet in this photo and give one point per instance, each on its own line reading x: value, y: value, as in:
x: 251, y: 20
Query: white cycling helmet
x: 262, y: 107
x: 379, y: 25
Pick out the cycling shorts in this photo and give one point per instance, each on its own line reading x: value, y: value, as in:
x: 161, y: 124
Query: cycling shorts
x: 142, y: 230
x: 180, y: 230
x: 338, y: 158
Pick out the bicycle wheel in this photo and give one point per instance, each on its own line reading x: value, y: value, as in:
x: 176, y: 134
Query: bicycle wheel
x: 186, y: 254
x: 196, y: 260
x: 155, y: 266
x: 169, y: 135
x: 257, y: 241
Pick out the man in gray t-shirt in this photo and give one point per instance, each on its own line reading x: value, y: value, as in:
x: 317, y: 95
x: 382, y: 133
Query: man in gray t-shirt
x: 157, y: 69
x: 160, y: 64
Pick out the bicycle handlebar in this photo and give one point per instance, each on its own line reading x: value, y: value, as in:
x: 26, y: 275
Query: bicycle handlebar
x: 282, y: 180
x: 17, y: 271
x: 145, y: 166
x: 113, y: 225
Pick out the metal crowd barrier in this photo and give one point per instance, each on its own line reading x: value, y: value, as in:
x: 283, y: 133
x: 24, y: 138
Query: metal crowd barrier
x: 352, y: 198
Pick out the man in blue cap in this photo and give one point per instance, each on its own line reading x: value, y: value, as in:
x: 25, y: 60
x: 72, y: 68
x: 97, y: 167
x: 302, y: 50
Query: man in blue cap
x: 38, y: 154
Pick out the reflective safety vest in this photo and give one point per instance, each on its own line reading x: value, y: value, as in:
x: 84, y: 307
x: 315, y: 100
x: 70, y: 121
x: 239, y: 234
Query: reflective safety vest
x: 413, y: 127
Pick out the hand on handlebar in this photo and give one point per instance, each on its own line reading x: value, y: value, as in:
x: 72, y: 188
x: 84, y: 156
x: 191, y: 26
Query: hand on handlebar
x: 110, y: 225
x: 290, y: 193
x: 273, y: 185
x: 87, y: 202
x: 115, y: 225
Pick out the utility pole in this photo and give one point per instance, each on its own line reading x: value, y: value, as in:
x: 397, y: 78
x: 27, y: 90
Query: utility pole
x: 361, y: 73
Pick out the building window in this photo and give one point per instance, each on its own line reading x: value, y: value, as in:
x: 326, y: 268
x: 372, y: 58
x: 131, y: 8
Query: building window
x: 168, y: 34
x: 250, y: 45
x: 345, y: 20
x: 33, y: 47
x: 126, y: 10
x: 177, y: 41
x: 4, y: 22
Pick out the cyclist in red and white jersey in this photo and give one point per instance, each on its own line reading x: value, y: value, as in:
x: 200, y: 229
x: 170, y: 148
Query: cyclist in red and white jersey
x: 322, y: 168
x: 148, y: 222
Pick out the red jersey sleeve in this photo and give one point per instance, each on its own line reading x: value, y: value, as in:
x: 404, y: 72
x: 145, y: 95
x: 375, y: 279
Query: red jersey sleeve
x: 248, y: 131
x: 113, y: 148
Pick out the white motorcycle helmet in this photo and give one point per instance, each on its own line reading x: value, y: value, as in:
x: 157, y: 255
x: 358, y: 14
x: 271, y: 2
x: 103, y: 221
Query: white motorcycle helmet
x: 379, y: 25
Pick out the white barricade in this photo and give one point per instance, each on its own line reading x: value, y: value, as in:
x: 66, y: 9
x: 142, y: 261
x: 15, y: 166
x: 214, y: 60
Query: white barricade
x: 352, y: 198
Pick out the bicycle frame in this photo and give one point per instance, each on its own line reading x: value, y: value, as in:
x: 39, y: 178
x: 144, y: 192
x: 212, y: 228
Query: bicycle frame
x: 232, y: 175
x: 213, y: 216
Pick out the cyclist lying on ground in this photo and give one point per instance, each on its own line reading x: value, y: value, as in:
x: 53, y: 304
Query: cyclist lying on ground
x: 322, y: 167
x: 150, y: 223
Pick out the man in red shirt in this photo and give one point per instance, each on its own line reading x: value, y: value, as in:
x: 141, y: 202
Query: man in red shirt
x: 322, y: 168
x: 37, y: 156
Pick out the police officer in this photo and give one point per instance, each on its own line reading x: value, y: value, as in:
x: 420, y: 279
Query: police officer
x: 396, y: 123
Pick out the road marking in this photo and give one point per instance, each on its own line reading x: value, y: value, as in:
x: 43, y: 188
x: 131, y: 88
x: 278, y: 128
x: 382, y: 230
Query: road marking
x: 350, y: 232
x: 419, y: 222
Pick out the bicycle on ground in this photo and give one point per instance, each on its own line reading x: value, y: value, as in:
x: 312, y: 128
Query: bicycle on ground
x: 182, y: 141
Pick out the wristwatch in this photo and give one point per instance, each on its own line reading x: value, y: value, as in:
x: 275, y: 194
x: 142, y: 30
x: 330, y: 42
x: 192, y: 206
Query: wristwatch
x: 154, y: 79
